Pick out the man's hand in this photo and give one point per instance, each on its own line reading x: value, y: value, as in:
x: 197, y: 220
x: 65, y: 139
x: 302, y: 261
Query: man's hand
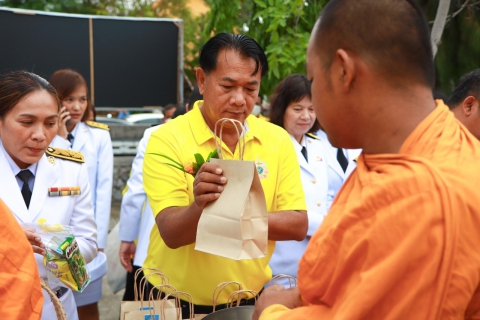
x: 63, y: 117
x: 34, y: 240
x: 127, y: 252
x: 208, y: 184
x: 277, y: 294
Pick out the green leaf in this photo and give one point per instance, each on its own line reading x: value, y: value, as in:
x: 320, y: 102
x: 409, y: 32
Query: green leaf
x: 174, y: 166
x: 261, y: 3
x: 164, y: 156
x: 199, y: 159
x: 195, y: 167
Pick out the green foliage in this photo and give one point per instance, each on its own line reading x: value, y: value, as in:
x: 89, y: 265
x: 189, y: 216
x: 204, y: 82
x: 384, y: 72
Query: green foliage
x: 281, y: 27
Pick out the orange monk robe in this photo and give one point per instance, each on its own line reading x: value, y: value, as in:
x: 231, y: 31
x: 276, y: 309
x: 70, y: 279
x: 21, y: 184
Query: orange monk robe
x: 20, y: 292
x: 402, y: 240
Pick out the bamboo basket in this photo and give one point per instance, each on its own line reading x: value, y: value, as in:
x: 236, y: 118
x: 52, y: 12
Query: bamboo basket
x: 61, y: 315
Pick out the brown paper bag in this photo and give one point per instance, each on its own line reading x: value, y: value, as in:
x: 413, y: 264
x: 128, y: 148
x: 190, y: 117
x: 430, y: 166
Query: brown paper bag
x: 235, y: 225
x: 151, y: 309
x: 139, y: 303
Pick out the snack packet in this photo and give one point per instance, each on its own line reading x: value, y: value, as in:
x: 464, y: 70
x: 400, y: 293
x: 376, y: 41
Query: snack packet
x: 63, y: 259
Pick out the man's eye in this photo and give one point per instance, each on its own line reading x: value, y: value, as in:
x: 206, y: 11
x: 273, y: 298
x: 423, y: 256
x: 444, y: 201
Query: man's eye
x: 51, y: 124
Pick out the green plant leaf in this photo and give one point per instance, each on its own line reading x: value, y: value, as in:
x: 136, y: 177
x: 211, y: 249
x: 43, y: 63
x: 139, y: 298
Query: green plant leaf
x: 199, y: 159
x: 164, y: 156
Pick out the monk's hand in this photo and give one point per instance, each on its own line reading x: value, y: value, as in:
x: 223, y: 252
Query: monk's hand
x: 277, y: 294
x: 208, y: 184
x: 34, y: 240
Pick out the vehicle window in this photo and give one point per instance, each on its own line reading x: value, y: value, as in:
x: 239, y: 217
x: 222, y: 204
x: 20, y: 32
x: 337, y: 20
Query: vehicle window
x: 148, y: 121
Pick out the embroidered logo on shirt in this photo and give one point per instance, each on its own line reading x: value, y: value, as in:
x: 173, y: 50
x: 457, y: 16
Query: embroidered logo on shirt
x: 262, y: 169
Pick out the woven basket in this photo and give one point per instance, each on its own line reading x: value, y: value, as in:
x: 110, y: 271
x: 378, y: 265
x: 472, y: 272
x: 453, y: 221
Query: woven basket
x: 61, y: 315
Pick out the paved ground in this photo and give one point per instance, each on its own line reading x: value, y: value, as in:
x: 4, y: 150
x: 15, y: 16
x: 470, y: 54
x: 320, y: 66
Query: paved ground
x: 110, y: 304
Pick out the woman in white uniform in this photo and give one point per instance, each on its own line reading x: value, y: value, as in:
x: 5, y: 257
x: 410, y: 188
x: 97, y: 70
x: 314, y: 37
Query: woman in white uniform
x: 29, y: 111
x: 93, y: 140
x: 291, y: 108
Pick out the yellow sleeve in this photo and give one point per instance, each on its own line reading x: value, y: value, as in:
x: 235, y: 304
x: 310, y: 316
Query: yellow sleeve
x: 165, y: 186
x: 290, y: 194
x: 273, y: 312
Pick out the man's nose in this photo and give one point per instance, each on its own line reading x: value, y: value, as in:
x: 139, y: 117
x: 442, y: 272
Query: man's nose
x: 238, y: 98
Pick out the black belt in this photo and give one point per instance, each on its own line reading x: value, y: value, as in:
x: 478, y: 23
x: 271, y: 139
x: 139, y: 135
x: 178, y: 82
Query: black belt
x: 60, y: 292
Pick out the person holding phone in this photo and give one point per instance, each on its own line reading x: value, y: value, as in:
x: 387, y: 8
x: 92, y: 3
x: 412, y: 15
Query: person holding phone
x: 29, y: 111
x: 93, y: 140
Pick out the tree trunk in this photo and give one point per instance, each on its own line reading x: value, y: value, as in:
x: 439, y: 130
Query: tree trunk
x: 439, y: 24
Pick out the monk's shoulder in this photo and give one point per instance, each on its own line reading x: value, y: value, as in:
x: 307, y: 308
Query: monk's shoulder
x: 403, y: 180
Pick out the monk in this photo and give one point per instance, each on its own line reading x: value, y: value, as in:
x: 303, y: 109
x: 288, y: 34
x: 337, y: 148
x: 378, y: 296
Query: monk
x: 402, y: 238
x: 20, y: 292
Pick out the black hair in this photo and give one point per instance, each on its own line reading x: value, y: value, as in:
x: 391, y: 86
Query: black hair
x: 438, y: 94
x: 14, y: 86
x: 169, y: 106
x: 391, y: 35
x: 245, y: 46
x: 469, y: 85
x: 192, y: 98
x: 291, y: 89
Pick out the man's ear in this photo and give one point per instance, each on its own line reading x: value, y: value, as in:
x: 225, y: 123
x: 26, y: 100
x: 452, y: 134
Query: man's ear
x: 201, y: 78
x: 468, y: 105
x: 346, y: 69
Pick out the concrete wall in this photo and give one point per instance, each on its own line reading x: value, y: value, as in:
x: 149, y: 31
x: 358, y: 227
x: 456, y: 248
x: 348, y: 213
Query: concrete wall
x: 122, y: 166
x: 125, y: 140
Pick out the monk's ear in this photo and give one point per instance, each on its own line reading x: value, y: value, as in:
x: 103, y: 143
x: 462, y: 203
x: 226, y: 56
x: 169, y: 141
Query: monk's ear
x: 201, y: 78
x: 347, y: 69
x: 468, y: 105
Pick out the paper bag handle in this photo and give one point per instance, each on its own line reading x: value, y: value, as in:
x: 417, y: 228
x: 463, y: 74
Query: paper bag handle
x: 239, y: 294
x: 178, y: 304
x: 143, y: 282
x: 219, y: 289
x: 285, y: 276
x: 140, y: 291
x: 241, y: 137
x: 151, y: 306
x: 159, y: 287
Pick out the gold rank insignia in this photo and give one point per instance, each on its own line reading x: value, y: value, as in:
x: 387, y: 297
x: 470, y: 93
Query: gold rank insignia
x: 65, y: 154
x: 311, y: 135
x: 97, y: 125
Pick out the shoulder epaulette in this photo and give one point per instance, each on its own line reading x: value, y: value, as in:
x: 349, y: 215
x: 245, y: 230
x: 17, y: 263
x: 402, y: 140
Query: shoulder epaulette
x: 311, y: 135
x: 65, y: 154
x: 97, y: 125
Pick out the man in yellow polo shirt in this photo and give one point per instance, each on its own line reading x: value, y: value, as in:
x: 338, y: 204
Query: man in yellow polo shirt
x: 229, y: 79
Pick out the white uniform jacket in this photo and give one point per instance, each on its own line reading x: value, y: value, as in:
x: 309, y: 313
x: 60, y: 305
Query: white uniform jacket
x: 96, y: 146
x: 315, y: 185
x: 336, y: 175
x: 134, y: 224
x: 76, y: 211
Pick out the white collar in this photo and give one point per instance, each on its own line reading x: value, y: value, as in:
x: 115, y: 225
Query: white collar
x: 15, y: 168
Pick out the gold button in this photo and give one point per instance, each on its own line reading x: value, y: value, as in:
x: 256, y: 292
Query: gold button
x: 314, y: 181
x: 319, y: 204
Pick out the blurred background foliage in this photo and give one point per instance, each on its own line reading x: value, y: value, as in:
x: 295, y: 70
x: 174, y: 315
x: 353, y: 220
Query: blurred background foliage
x: 282, y: 28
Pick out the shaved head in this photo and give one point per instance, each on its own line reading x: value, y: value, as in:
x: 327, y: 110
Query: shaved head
x: 391, y: 36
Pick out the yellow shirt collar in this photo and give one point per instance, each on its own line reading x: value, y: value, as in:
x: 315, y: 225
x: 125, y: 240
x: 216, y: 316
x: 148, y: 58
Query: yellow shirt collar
x: 202, y: 130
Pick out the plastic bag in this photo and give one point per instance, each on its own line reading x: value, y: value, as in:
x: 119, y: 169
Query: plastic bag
x: 63, y: 259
